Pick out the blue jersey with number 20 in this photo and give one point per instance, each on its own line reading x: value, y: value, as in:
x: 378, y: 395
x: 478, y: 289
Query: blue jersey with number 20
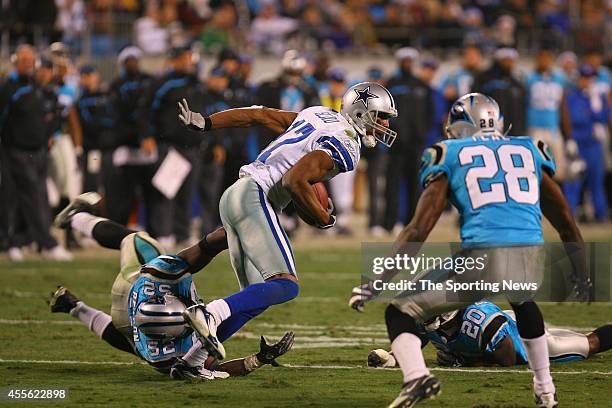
x: 494, y: 182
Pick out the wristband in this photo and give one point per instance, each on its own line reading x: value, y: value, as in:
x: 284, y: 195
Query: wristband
x: 207, y: 124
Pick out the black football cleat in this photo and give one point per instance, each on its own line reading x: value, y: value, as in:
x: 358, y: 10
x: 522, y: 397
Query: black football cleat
x: 416, y: 390
x: 86, y: 202
x: 62, y: 301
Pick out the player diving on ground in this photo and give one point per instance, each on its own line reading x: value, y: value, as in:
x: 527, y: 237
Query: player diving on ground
x: 153, y: 298
x: 501, y: 186
x: 484, y: 334
x: 313, y: 145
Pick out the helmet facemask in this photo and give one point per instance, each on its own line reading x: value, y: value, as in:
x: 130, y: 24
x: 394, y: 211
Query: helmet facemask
x: 375, y: 131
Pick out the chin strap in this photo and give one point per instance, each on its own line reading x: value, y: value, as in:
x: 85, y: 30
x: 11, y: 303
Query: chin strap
x: 368, y: 141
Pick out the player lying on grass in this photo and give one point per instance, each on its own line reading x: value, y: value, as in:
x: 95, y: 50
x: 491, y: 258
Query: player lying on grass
x: 313, y: 145
x: 154, y: 301
x: 483, y: 334
x: 501, y: 186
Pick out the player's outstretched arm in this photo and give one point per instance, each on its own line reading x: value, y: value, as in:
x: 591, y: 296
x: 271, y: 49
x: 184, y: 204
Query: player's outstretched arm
x: 429, y: 208
x: 310, y: 169
x: 557, y: 211
x: 200, y: 254
x: 274, y: 119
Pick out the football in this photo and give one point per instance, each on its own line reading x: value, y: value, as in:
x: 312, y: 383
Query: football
x: 321, y: 193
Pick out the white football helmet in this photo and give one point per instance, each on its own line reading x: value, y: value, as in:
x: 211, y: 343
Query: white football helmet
x: 161, y: 317
x: 474, y: 113
x: 362, y: 105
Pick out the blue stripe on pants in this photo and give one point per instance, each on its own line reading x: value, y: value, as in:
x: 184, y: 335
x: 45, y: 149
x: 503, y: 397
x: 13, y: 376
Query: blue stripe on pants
x: 262, y: 200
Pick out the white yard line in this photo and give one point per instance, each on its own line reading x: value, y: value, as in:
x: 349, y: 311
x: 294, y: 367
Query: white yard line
x: 307, y: 366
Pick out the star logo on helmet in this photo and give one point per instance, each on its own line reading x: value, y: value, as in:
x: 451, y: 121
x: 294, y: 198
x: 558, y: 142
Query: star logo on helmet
x: 363, y: 96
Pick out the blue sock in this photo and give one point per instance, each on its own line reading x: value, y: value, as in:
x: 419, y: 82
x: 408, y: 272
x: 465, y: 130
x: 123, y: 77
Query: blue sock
x: 235, y: 322
x: 262, y: 295
x: 252, y: 301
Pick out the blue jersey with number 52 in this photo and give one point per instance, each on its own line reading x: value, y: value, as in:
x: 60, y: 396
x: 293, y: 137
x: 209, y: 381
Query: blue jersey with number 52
x: 494, y: 182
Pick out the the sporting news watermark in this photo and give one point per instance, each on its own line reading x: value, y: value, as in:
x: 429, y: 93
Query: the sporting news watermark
x: 518, y: 272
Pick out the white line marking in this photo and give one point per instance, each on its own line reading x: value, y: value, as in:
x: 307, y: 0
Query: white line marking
x: 306, y: 366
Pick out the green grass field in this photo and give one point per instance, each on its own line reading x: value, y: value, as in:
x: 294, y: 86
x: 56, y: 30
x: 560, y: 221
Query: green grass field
x: 326, y: 368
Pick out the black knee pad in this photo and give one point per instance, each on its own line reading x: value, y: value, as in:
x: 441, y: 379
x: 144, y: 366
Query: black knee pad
x: 529, y: 320
x: 398, y: 322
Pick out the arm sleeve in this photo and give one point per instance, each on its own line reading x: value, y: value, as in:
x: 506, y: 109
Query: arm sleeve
x: 544, y: 158
x: 343, y: 149
x: 433, y: 164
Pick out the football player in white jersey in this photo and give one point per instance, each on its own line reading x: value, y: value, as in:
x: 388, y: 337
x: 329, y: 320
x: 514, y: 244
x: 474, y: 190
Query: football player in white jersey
x: 314, y: 145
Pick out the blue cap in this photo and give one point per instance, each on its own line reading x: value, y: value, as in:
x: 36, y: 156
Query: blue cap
x: 245, y: 58
x: 337, y: 75
x: 586, y: 70
x: 218, y: 72
x: 431, y: 63
x: 375, y: 73
x: 87, y: 69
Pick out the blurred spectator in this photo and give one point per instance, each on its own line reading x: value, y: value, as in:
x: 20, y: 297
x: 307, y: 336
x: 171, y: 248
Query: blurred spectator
x: 590, y: 33
x: 415, y: 110
x: 289, y: 91
x: 546, y: 108
x: 151, y: 37
x: 269, y: 31
x: 71, y: 22
x: 169, y: 218
x: 376, y: 171
x: 213, y: 153
x: 459, y: 82
x: 567, y: 63
x: 500, y: 83
x: 583, y: 117
x: 474, y: 32
x: 427, y: 73
x: 520, y: 11
x: 220, y: 32
x: 24, y: 135
x: 504, y: 31
x: 98, y: 123
x: 128, y: 170
x: 449, y: 25
x: 342, y: 187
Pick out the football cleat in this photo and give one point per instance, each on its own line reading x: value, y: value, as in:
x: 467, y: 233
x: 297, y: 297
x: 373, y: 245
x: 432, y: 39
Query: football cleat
x: 181, y: 371
x: 416, y: 390
x: 85, y: 202
x: 62, y: 301
x: 380, y: 358
x: 548, y: 400
x: 205, y: 327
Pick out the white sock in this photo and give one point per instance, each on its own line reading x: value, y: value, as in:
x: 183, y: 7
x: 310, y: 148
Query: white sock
x: 196, y: 355
x: 84, y: 223
x: 407, y: 351
x: 220, y: 309
x: 537, y: 356
x: 96, y: 320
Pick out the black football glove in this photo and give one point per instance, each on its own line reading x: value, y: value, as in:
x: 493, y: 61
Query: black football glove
x: 268, y: 353
x: 447, y: 358
x: 362, y: 294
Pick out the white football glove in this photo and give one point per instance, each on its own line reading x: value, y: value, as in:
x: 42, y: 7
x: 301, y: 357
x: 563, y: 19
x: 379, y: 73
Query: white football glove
x: 193, y: 120
x: 360, y: 295
x: 331, y: 210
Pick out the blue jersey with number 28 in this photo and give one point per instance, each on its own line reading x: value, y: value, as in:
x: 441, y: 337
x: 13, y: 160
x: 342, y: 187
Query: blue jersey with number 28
x: 494, y: 182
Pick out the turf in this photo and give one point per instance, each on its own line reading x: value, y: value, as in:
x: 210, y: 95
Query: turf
x: 44, y: 350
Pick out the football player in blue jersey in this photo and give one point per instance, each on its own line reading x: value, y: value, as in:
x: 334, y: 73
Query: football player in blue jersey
x: 155, y: 304
x: 501, y: 186
x: 484, y: 334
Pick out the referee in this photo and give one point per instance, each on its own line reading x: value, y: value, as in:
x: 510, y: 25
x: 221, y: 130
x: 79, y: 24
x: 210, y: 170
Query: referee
x: 23, y: 155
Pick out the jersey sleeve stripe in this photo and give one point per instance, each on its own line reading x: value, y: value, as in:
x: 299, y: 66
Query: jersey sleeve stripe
x: 491, y: 330
x: 335, y: 144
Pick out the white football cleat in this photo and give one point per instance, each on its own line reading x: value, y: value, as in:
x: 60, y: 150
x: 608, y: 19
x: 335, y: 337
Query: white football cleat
x: 380, y: 358
x: 547, y: 400
x: 85, y: 202
x: 57, y: 253
x: 205, y: 326
x: 181, y: 371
